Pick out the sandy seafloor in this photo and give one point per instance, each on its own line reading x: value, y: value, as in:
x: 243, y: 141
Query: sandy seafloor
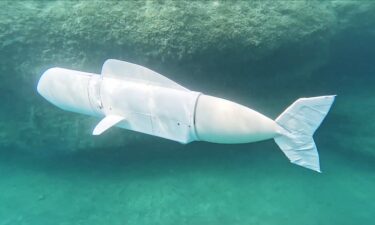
x: 155, y: 181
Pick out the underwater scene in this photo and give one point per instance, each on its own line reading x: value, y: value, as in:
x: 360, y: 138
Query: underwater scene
x: 261, y: 54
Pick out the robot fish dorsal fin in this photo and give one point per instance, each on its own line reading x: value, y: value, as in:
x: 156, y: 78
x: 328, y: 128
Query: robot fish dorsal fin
x: 129, y: 71
x: 106, y: 123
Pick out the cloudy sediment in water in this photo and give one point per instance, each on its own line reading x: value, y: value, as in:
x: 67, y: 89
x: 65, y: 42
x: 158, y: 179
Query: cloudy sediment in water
x: 263, y: 54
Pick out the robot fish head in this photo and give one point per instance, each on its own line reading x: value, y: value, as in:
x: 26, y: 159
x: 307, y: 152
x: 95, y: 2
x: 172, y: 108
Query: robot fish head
x: 69, y: 90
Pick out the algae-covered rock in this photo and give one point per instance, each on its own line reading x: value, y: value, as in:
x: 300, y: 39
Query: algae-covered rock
x: 35, y: 35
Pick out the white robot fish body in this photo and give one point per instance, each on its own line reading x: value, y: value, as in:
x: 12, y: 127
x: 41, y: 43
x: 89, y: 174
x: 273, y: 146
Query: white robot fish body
x: 133, y: 97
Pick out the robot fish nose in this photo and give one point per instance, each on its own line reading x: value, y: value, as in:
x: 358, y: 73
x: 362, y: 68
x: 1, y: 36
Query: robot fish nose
x: 44, y: 84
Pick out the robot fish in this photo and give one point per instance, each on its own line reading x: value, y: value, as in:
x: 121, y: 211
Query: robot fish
x: 136, y: 98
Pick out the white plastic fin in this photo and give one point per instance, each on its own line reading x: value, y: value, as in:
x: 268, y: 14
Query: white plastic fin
x: 300, y: 120
x: 106, y: 123
x: 125, y: 70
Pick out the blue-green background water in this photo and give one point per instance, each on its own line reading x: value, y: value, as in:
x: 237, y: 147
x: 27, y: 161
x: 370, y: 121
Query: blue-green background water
x: 261, y: 54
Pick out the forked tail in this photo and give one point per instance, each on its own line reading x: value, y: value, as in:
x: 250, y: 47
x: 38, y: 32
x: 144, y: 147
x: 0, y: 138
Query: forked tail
x: 300, y: 120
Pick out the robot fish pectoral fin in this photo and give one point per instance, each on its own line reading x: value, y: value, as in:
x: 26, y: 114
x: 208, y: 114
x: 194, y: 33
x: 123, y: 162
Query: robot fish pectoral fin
x: 106, y: 123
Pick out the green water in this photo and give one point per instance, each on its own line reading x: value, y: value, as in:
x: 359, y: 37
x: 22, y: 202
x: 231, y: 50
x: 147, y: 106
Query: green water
x: 262, y: 55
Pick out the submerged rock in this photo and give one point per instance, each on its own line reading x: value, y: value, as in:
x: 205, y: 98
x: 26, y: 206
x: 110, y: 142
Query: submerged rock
x: 212, y: 35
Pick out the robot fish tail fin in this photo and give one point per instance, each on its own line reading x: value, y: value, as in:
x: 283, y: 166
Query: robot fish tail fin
x: 299, y: 122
